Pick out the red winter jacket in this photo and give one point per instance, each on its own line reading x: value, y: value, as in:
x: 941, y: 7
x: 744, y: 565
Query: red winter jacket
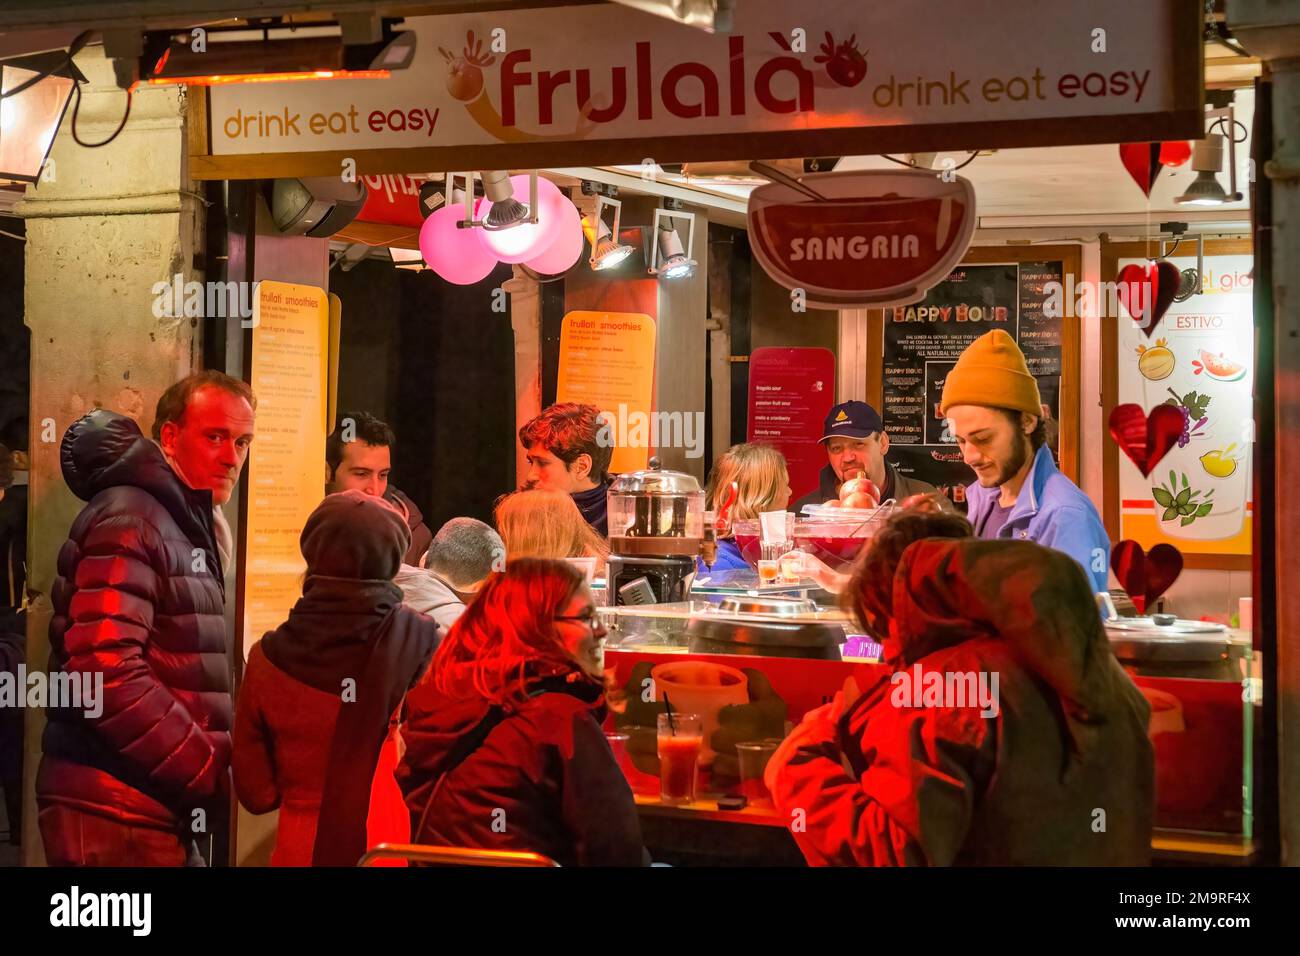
x: 544, y: 779
x: 1062, y: 774
x: 138, y: 599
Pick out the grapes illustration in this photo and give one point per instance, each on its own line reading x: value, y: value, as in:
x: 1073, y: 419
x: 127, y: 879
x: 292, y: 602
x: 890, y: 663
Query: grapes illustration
x: 1193, y: 407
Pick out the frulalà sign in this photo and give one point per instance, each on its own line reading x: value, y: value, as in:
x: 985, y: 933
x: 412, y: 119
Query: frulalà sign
x: 604, y: 84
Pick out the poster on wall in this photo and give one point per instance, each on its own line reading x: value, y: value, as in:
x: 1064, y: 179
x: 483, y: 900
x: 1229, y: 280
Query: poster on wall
x: 286, y: 462
x: 924, y: 341
x: 1200, y: 359
x: 791, y: 391
x: 607, y: 359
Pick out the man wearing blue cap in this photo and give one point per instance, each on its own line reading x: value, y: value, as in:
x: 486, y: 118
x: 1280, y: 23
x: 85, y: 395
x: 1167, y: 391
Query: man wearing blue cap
x: 855, y: 439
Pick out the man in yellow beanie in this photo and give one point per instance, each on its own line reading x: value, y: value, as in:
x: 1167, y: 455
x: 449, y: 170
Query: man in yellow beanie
x: 997, y: 418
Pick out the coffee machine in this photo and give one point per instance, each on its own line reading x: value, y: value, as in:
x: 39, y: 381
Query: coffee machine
x: 656, y: 529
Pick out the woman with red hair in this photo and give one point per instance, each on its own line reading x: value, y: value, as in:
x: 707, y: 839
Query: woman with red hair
x: 504, y: 746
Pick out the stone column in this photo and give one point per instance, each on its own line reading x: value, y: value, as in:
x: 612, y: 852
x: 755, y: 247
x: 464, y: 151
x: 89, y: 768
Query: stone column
x: 111, y: 224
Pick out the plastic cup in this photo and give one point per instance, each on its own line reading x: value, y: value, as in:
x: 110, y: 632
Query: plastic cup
x: 753, y: 757
x: 768, y: 572
x: 791, y: 567
x: 679, y: 756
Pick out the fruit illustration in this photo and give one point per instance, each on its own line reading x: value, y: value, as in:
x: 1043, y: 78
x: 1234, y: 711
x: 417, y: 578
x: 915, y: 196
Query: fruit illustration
x: 1156, y: 362
x: 1217, y: 367
x: 1220, y: 463
x: 1193, y: 407
x: 1187, y: 504
x: 465, y: 72
x: 845, y: 63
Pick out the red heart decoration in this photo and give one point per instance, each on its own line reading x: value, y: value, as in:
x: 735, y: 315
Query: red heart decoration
x: 1145, y: 576
x: 1175, y: 153
x: 1148, y: 291
x: 1145, y: 438
x: 1142, y: 160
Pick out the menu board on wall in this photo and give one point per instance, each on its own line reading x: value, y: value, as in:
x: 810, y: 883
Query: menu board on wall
x: 1200, y: 359
x: 286, y: 462
x: 923, y: 342
x: 791, y: 390
x: 607, y: 359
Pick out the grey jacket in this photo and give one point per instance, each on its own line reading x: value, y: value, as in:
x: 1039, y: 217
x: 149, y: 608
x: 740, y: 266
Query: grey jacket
x: 424, y: 591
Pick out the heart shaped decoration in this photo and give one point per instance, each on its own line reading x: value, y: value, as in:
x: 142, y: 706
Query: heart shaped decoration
x: 1145, y: 438
x: 1175, y: 152
x: 1147, y: 292
x: 1144, y: 575
x: 1142, y: 160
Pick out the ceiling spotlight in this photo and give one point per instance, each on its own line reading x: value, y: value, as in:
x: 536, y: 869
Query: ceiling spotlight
x: 668, y: 259
x: 506, y: 210
x: 1207, y: 161
x: 606, y: 250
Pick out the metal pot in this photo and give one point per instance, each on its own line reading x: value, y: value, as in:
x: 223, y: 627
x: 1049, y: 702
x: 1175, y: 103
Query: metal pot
x: 1164, y: 646
x: 766, y: 627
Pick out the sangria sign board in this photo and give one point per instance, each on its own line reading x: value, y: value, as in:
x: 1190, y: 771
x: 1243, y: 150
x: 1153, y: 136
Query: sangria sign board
x: 604, y: 84
x: 851, y: 240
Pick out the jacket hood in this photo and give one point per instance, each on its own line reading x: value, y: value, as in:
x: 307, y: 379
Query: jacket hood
x: 1035, y: 599
x: 356, y: 536
x: 103, y: 449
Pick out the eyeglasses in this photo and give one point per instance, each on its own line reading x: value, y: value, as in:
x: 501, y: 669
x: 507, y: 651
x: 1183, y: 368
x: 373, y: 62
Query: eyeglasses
x: 591, y: 619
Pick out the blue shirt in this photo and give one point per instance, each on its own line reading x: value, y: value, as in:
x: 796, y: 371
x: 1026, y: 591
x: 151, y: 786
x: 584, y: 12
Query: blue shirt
x: 1050, y: 510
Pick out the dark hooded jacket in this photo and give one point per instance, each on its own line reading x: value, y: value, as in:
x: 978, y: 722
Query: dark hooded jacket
x: 421, y: 536
x: 543, y: 780
x: 1063, y: 774
x: 139, y: 599
x: 319, y: 690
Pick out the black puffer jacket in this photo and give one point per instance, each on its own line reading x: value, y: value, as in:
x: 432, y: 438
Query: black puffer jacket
x: 138, y: 599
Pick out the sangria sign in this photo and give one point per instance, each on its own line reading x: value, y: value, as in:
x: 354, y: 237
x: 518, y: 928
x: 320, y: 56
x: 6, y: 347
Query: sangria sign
x: 602, y: 83
x: 851, y: 240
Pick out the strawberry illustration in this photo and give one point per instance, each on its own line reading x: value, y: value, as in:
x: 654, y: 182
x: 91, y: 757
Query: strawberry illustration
x: 465, y: 72
x: 845, y: 63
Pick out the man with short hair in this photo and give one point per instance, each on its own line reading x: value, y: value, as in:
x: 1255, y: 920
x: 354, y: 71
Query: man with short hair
x: 139, y: 604
x: 358, y: 455
x: 855, y: 440
x: 997, y: 417
x: 463, y: 553
x: 568, y: 452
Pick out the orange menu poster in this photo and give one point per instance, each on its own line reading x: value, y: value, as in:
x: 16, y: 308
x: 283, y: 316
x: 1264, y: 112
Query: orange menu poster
x: 607, y: 359
x: 286, y: 463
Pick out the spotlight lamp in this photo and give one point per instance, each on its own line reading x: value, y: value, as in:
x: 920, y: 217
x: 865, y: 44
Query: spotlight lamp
x: 1207, y: 163
x: 506, y: 211
x: 668, y: 259
x: 606, y: 251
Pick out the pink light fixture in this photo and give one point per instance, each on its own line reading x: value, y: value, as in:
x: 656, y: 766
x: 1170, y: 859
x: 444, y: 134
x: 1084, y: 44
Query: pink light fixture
x: 526, y: 240
x: 452, y: 252
x: 566, y: 247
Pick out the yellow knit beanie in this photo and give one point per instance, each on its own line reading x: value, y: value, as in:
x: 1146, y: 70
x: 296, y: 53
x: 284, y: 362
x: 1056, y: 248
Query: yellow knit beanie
x: 992, y: 372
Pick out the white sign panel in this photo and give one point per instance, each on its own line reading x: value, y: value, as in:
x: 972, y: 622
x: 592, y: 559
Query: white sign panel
x: 562, y: 81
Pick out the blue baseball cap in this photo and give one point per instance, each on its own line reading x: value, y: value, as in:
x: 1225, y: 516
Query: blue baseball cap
x: 852, y: 420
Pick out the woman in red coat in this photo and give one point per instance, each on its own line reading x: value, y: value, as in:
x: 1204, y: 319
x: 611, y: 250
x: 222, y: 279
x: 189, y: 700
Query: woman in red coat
x: 319, y: 690
x: 504, y: 746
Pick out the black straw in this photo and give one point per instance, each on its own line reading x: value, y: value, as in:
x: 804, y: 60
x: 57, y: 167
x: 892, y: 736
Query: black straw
x: 668, y: 709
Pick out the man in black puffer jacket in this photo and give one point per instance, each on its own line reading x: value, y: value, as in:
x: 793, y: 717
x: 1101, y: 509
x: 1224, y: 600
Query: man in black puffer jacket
x: 138, y: 605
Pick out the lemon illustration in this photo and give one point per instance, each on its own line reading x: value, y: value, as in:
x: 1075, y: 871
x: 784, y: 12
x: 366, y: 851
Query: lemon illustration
x: 1217, y: 464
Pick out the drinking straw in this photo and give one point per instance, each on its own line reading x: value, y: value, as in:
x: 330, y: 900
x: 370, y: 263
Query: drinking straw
x: 668, y: 709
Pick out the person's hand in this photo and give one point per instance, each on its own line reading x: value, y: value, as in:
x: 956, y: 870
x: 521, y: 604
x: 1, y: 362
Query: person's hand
x: 817, y: 725
x: 762, y: 718
x: 827, y: 578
